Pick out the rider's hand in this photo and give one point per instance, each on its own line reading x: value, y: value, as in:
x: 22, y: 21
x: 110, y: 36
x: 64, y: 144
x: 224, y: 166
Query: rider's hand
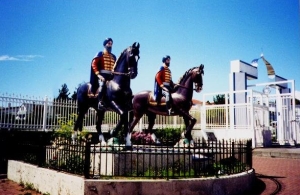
x: 101, y: 78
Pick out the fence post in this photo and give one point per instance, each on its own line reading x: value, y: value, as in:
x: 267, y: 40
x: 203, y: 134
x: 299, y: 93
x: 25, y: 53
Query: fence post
x: 232, y: 148
x: 87, y: 157
x: 45, y: 113
x: 249, y: 153
x: 41, y: 151
x: 5, y: 150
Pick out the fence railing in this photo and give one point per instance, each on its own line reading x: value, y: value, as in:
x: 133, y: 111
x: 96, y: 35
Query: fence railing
x: 30, y: 113
x: 211, y: 158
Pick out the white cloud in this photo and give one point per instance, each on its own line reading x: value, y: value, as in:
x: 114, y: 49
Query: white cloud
x: 6, y: 58
x: 19, y: 57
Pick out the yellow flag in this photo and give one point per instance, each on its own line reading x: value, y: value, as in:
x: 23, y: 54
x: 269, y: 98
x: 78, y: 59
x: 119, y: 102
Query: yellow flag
x: 270, y: 69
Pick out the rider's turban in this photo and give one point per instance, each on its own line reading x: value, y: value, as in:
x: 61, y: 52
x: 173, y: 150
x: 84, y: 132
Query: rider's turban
x: 107, y: 40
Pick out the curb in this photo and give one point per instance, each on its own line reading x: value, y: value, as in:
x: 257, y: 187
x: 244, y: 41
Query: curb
x: 3, y: 176
x: 293, y: 153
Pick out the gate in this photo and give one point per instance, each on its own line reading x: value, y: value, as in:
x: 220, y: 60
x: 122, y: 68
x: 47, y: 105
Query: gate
x: 280, y: 114
x: 266, y: 117
x: 283, y: 119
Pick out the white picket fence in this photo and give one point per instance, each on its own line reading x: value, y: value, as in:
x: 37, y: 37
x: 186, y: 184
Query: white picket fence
x: 45, y: 114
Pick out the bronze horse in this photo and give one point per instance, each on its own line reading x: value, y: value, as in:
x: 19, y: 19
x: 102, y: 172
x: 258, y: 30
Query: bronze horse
x: 118, y: 94
x: 144, y: 103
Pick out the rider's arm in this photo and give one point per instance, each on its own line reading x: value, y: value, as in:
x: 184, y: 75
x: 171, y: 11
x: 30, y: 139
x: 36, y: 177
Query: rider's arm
x: 159, y: 77
x: 95, y: 65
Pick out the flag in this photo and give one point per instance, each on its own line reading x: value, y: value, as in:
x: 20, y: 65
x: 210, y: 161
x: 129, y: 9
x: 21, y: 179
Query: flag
x: 255, y: 62
x: 270, y: 69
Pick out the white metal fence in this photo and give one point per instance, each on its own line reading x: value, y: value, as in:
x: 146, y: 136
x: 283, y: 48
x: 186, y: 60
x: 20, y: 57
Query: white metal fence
x: 40, y: 114
x: 31, y: 113
x: 249, y: 113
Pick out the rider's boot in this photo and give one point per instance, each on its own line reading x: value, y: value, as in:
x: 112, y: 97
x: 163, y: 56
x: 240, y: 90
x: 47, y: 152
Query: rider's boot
x: 169, y: 108
x: 101, y: 104
x: 90, y: 93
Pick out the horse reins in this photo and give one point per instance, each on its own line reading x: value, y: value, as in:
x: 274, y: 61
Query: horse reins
x: 181, y: 85
x: 121, y: 73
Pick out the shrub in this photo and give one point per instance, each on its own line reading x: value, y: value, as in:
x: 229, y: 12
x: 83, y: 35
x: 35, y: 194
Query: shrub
x: 66, y: 127
x: 141, y: 138
x: 168, y: 133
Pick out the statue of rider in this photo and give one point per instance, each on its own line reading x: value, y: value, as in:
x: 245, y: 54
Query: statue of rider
x: 101, y: 70
x: 163, y: 85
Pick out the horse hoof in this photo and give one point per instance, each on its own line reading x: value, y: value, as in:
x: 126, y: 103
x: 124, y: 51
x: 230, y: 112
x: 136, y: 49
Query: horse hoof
x: 155, y: 139
x: 102, y: 140
x: 192, y: 143
x: 74, y: 137
x: 101, y: 106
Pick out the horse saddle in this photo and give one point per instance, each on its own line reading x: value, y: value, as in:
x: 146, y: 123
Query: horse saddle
x: 90, y: 94
x: 153, y: 102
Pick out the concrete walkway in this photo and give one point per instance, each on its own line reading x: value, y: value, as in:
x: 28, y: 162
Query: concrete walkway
x: 293, y: 153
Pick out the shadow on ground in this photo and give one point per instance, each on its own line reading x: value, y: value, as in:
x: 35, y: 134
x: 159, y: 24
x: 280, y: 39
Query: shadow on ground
x: 259, y: 185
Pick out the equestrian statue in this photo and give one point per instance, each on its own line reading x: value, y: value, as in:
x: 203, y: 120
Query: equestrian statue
x: 117, y: 96
x: 144, y: 102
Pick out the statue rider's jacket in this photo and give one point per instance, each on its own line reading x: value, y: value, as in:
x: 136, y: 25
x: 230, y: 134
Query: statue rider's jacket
x: 103, y: 63
x: 162, y: 78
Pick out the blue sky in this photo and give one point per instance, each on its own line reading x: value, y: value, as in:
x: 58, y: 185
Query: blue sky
x: 44, y: 44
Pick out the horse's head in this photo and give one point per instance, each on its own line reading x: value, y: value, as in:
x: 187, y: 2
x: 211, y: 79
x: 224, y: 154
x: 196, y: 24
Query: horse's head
x: 133, y: 58
x: 198, y: 77
x: 127, y: 62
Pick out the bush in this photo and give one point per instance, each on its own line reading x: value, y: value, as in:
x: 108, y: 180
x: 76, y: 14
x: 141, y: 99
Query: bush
x: 168, y: 133
x: 141, y: 138
x: 165, y: 135
x: 66, y: 127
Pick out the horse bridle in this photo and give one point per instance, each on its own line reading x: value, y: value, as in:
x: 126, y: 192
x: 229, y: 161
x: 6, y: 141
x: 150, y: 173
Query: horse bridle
x: 130, y: 56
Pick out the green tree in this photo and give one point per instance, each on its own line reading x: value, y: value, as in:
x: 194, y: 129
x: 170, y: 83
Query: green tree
x: 74, y: 96
x: 63, y: 93
x: 219, y: 99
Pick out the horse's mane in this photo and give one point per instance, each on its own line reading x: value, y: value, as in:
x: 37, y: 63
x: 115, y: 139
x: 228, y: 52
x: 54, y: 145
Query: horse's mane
x: 118, y: 59
x: 185, y: 74
x: 183, y: 77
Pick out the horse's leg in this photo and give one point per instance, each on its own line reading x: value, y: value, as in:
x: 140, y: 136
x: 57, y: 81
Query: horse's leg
x: 189, y: 128
x: 100, y: 116
x: 116, y: 108
x: 115, y: 130
x: 124, y: 119
x: 151, y: 121
x: 189, y: 122
x: 82, y: 109
x: 134, y: 118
